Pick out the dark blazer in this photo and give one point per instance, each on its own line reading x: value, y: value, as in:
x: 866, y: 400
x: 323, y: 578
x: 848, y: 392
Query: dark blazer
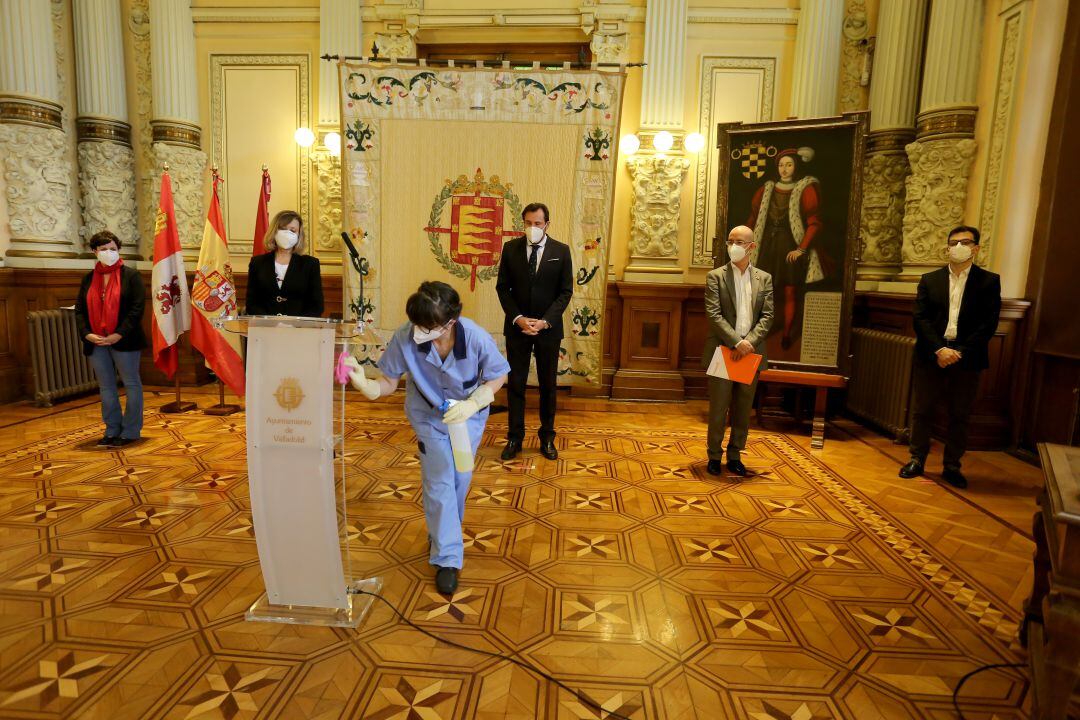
x: 720, y: 309
x: 300, y: 293
x: 976, y: 324
x: 132, y: 303
x: 545, y: 296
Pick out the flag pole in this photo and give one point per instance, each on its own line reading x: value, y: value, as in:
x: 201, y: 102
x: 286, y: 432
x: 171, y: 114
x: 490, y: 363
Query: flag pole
x: 178, y: 405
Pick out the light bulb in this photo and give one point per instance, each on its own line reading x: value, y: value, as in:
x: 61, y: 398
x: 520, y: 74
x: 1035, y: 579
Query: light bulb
x: 629, y: 144
x: 332, y: 141
x: 663, y: 141
x: 694, y: 142
x: 304, y: 137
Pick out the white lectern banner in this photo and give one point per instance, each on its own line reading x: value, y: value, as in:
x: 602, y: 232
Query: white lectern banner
x: 290, y: 397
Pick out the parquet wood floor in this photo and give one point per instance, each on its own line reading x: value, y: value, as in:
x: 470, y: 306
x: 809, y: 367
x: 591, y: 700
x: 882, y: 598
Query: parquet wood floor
x: 825, y: 588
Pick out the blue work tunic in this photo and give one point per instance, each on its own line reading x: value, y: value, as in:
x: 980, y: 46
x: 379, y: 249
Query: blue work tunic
x: 474, y: 360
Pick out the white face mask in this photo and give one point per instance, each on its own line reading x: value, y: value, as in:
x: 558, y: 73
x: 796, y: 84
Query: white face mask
x: 421, y: 336
x: 736, y: 252
x: 534, y: 234
x: 108, y: 258
x: 959, y: 253
x: 285, y: 239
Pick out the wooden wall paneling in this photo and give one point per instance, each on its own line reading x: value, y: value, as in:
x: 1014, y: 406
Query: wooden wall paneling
x: 649, y: 352
x: 992, y: 417
x: 692, y: 344
x: 26, y: 289
x: 612, y: 335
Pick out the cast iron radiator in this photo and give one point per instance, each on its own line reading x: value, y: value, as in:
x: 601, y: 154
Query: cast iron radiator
x: 880, y: 387
x: 60, y: 368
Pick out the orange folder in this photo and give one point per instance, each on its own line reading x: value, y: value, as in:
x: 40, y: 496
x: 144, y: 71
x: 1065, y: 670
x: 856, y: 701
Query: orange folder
x: 725, y: 366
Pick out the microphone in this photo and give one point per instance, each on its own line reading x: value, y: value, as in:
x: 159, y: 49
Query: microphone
x: 348, y: 244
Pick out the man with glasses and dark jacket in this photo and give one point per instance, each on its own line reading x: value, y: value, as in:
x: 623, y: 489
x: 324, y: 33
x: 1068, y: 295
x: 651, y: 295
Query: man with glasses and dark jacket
x: 956, y: 314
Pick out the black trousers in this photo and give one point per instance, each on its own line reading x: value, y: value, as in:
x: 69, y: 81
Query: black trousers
x: 519, y: 349
x: 954, y: 386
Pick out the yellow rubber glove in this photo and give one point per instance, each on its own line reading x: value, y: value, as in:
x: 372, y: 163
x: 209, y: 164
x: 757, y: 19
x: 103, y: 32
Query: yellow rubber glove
x: 465, y: 409
x: 368, y: 387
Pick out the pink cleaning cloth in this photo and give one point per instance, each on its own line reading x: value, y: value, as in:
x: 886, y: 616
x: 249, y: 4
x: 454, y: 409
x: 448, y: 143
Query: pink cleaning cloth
x: 341, y: 370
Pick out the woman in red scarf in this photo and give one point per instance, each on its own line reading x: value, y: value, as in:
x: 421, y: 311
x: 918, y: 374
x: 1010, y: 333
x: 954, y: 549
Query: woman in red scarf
x: 109, y: 313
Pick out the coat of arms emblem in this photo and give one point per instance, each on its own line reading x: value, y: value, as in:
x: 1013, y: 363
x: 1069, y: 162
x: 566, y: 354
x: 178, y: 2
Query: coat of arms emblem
x: 476, y: 222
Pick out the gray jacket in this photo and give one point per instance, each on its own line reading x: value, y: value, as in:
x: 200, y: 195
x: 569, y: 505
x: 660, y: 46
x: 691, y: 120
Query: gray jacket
x: 720, y: 309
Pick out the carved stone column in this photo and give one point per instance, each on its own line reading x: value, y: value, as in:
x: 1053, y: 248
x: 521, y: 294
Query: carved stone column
x: 176, y: 132
x: 818, y: 42
x: 33, y: 144
x: 654, y: 218
x: 658, y: 177
x: 106, y: 160
x: 893, y: 96
x: 340, y: 33
x: 944, y: 151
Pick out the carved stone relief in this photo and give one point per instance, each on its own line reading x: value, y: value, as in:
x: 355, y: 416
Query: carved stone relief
x: 107, y: 185
x: 142, y: 133
x: 654, y: 215
x: 399, y: 45
x: 187, y: 171
x: 999, y: 132
x: 611, y: 48
x: 39, y: 190
x: 854, y: 87
x: 882, y: 223
x: 328, y: 216
x: 936, y: 195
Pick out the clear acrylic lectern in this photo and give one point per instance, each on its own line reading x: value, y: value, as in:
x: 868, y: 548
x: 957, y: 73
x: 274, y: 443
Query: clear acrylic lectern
x: 295, y: 432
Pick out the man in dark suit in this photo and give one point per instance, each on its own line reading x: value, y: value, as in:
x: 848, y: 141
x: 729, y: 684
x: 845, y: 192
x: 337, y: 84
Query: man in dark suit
x: 739, y: 306
x: 536, y: 281
x: 956, y: 314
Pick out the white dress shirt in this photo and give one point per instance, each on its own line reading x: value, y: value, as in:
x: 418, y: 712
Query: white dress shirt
x: 957, y: 283
x: 279, y: 271
x: 744, y: 300
x: 539, y: 256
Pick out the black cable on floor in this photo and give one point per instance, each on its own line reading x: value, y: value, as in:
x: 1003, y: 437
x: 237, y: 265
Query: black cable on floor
x: 520, y: 663
x: 973, y: 673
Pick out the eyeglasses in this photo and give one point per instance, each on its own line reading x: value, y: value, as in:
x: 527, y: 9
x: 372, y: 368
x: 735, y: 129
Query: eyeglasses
x: 965, y: 242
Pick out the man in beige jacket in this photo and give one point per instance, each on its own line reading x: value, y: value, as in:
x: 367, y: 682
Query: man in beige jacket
x: 739, y: 305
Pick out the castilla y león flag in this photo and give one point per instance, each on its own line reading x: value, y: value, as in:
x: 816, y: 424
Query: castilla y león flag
x: 213, y: 294
x: 172, y: 308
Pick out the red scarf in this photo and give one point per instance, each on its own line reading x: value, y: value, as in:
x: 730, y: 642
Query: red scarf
x: 103, y: 301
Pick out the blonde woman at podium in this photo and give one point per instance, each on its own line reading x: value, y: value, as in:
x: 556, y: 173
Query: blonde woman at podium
x: 454, y: 370
x: 283, y: 280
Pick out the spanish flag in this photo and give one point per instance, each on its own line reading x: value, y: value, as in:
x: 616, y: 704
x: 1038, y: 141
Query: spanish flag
x: 213, y: 293
x: 172, y: 310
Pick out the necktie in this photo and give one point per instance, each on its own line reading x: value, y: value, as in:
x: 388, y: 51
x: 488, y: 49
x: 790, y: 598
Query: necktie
x: 533, y: 249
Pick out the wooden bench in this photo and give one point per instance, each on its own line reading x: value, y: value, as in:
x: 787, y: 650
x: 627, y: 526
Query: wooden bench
x: 821, y: 381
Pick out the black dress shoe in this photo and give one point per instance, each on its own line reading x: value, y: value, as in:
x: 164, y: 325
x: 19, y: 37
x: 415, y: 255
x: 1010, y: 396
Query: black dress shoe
x: 715, y: 467
x: 735, y: 467
x: 121, y: 442
x: 954, y: 478
x: 446, y: 580
x: 106, y: 441
x: 912, y: 469
x: 547, y: 449
x: 513, y: 447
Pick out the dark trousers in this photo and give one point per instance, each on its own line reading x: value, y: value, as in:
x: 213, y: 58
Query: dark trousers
x: 953, y: 386
x: 519, y: 348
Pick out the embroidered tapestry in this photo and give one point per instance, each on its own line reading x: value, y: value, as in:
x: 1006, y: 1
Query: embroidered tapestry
x: 437, y: 164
